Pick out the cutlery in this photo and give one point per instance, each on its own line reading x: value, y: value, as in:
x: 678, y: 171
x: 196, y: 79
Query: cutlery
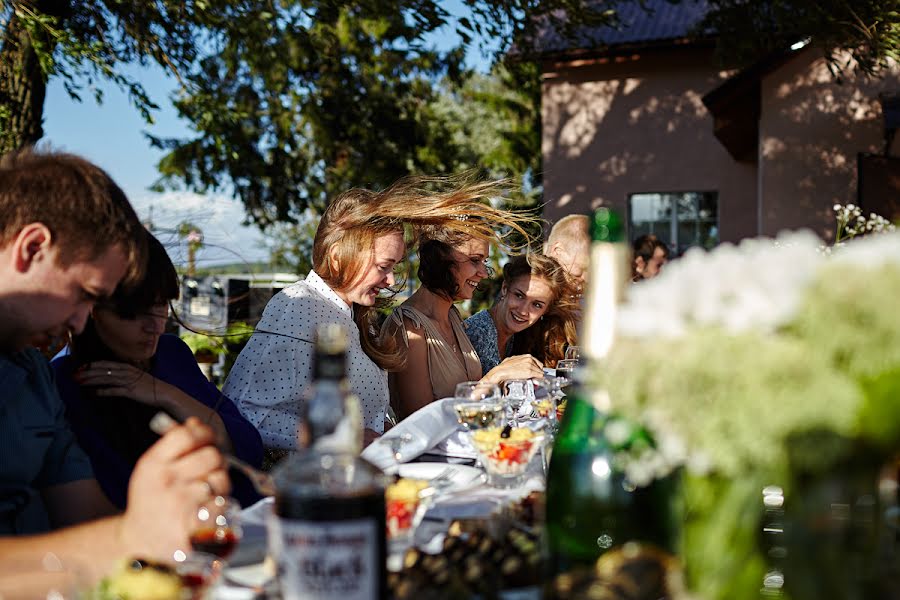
x: 162, y: 422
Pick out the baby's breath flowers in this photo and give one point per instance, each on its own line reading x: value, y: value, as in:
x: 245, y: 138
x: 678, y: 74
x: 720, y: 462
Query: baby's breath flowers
x: 851, y: 223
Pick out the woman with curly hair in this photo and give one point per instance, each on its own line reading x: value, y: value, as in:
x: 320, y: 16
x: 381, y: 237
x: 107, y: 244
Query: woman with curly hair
x: 536, y: 314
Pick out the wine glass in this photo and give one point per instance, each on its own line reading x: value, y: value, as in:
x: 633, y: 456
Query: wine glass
x: 565, y: 368
x: 573, y: 353
x: 516, y: 392
x: 478, y: 406
x: 217, y: 527
x: 476, y: 391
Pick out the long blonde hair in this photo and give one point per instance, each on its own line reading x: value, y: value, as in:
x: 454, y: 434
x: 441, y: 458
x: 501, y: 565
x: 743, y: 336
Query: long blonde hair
x: 445, y: 208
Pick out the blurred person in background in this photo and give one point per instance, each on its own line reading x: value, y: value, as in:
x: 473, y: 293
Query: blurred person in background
x: 536, y: 314
x: 68, y: 238
x: 570, y: 244
x: 649, y: 255
x: 123, y: 369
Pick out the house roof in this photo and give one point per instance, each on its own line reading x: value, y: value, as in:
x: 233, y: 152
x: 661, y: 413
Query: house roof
x: 657, y: 22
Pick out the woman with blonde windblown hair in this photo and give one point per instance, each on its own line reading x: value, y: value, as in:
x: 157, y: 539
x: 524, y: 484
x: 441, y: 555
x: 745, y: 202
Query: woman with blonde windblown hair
x: 357, y: 247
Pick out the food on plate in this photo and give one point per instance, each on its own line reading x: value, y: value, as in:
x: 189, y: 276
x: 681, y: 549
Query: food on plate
x: 560, y: 409
x: 140, y: 579
x: 542, y: 407
x: 402, y: 499
x: 479, y: 557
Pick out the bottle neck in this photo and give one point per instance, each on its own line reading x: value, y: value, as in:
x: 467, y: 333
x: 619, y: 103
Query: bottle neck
x: 327, y: 366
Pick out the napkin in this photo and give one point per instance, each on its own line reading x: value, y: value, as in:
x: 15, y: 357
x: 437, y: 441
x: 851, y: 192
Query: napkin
x: 425, y: 428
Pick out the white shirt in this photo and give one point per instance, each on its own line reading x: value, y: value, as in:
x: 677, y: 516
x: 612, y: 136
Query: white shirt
x: 275, y: 367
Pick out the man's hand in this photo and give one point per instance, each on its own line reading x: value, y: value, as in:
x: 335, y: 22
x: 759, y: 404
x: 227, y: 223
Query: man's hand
x: 169, y: 482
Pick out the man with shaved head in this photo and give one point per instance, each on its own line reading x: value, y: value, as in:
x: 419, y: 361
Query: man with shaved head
x: 570, y: 244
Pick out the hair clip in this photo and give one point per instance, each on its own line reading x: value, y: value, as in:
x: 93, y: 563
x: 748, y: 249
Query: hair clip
x: 462, y: 217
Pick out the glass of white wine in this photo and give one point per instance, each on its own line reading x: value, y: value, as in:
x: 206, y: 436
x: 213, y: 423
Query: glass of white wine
x: 478, y: 406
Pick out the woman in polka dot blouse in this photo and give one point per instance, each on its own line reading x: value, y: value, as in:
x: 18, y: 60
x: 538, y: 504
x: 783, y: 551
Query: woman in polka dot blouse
x: 358, y: 244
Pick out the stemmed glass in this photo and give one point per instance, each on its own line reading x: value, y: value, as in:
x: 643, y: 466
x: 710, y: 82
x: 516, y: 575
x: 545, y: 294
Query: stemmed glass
x: 573, y: 353
x: 217, y: 527
x: 478, y: 406
x: 396, y: 443
x: 516, y: 392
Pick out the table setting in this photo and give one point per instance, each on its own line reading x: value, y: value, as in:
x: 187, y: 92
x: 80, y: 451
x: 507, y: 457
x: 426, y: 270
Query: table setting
x: 445, y: 471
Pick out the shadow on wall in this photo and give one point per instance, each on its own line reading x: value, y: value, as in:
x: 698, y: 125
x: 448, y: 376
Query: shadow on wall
x: 635, y: 124
x: 810, y: 133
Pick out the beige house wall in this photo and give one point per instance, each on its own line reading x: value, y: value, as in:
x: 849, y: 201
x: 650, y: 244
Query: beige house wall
x: 615, y: 128
x: 811, y: 130
x: 638, y: 125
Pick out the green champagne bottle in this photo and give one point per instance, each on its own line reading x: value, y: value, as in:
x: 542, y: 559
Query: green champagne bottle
x: 592, y: 508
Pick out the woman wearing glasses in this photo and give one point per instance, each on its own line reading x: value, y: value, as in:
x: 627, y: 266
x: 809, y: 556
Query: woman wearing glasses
x: 122, y: 369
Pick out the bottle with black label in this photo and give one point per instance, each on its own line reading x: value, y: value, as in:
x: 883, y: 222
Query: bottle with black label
x: 327, y: 533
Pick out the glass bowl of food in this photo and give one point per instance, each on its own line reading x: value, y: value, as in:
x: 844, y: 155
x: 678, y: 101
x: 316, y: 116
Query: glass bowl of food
x: 506, y: 453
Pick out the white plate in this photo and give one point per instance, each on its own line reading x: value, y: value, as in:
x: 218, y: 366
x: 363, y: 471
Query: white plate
x: 248, y: 575
x: 463, y: 478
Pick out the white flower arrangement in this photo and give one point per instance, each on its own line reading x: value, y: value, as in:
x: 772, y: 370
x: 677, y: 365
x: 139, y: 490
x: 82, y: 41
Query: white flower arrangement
x: 754, y: 366
x: 723, y: 341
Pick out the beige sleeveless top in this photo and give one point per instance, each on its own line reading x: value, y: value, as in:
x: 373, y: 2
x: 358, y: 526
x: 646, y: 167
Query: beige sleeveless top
x: 446, y: 368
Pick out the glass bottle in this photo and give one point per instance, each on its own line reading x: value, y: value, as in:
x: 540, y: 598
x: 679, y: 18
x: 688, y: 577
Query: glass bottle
x: 327, y: 531
x: 331, y: 417
x: 592, y: 507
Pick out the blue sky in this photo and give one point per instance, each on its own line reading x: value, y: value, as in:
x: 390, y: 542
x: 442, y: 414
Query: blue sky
x: 111, y: 135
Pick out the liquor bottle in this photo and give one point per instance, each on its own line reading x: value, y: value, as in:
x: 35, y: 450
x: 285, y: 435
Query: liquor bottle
x: 327, y: 530
x: 592, y: 508
x: 331, y: 417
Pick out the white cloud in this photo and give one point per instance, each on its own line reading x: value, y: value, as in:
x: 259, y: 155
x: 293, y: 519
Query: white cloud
x: 226, y: 239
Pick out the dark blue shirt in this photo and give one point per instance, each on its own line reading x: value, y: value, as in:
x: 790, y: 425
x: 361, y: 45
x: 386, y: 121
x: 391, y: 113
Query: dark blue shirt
x: 174, y: 364
x: 37, y: 447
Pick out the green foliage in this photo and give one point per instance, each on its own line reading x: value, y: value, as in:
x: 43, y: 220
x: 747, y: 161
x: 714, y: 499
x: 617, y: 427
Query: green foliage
x: 868, y: 29
x: 291, y: 101
x: 228, y: 344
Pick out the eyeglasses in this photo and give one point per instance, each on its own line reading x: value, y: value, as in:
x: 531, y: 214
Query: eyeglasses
x: 157, y: 311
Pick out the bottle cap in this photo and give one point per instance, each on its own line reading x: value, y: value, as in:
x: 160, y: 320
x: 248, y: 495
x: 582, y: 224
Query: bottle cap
x: 331, y: 338
x: 606, y: 226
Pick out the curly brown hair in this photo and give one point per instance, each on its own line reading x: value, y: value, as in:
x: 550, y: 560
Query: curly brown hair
x: 546, y: 340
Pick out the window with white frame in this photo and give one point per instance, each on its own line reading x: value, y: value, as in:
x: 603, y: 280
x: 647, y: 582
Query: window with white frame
x: 680, y: 219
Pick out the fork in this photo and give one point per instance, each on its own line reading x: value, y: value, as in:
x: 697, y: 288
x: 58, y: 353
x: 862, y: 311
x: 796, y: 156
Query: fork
x: 162, y: 422
x: 443, y: 479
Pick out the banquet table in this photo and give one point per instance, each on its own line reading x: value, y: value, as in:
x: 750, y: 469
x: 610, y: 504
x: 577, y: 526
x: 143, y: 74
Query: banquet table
x: 434, y: 443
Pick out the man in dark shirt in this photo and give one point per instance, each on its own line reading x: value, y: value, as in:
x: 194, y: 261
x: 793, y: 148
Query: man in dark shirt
x: 68, y: 237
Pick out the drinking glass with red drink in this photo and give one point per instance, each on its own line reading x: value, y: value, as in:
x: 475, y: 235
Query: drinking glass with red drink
x: 217, y: 529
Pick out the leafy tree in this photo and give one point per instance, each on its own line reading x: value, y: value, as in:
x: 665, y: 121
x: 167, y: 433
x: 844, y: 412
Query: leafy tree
x: 290, y: 99
x: 869, y: 30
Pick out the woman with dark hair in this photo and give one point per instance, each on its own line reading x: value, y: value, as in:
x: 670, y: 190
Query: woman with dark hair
x: 452, y: 257
x: 649, y: 255
x: 122, y: 369
x: 536, y: 314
